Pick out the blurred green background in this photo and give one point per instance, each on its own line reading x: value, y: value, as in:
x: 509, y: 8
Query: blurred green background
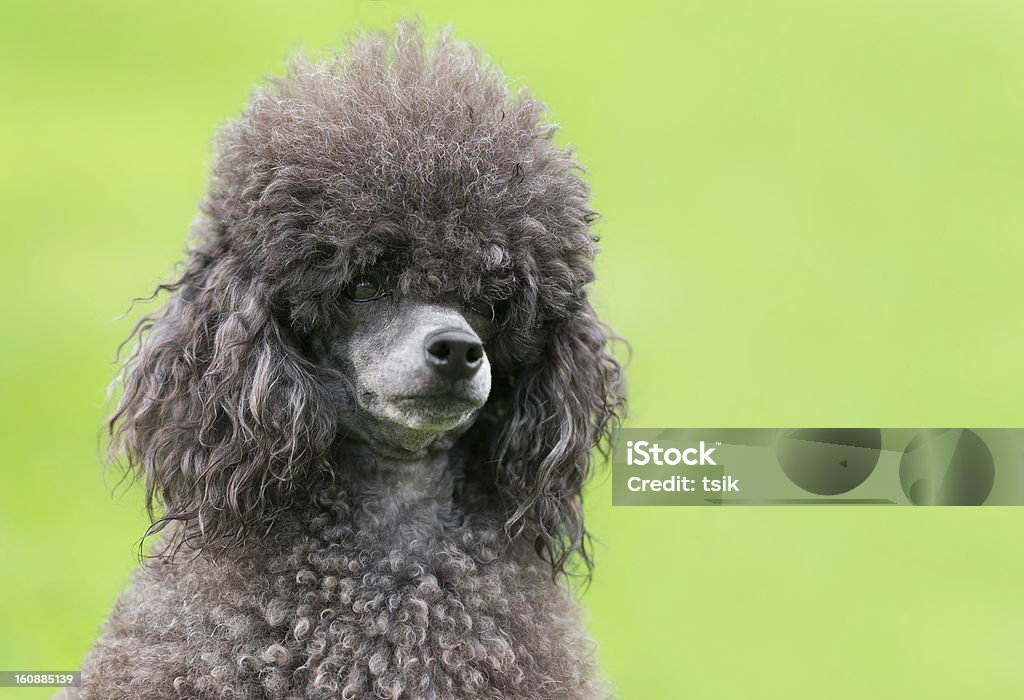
x: 812, y: 216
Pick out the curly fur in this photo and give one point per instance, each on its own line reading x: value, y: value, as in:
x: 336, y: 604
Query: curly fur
x: 272, y: 577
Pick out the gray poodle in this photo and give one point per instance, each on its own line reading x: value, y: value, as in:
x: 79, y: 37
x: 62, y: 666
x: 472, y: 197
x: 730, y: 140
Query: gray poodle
x: 365, y: 414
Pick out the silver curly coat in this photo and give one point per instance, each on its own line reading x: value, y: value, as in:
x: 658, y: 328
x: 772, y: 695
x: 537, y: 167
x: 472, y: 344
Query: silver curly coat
x: 366, y: 412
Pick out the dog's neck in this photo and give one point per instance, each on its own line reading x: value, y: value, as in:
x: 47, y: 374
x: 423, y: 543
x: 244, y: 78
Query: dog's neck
x: 400, y: 500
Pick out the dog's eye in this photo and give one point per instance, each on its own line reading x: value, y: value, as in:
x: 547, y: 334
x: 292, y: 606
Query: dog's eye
x: 482, y: 309
x: 365, y: 288
x: 483, y: 318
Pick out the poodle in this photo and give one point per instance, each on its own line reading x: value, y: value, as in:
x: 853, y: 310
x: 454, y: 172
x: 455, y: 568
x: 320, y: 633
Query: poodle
x: 366, y: 411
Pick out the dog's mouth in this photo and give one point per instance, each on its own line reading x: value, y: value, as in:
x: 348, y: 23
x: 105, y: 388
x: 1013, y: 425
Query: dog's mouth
x: 437, y: 405
x: 432, y: 412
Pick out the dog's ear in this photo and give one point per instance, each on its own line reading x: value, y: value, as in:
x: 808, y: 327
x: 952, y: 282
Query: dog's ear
x: 561, y: 410
x: 220, y: 413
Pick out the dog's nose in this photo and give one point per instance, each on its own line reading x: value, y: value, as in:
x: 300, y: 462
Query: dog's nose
x: 455, y: 354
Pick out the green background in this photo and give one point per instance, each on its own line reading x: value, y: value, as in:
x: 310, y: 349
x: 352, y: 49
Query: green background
x: 812, y: 216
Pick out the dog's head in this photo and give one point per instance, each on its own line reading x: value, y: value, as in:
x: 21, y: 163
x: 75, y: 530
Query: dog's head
x: 392, y: 250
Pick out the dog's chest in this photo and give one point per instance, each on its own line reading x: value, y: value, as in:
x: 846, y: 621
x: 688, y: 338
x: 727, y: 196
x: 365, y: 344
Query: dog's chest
x: 458, y: 622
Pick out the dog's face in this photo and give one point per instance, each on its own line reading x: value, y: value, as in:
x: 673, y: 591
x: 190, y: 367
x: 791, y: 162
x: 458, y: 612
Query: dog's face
x: 414, y: 373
